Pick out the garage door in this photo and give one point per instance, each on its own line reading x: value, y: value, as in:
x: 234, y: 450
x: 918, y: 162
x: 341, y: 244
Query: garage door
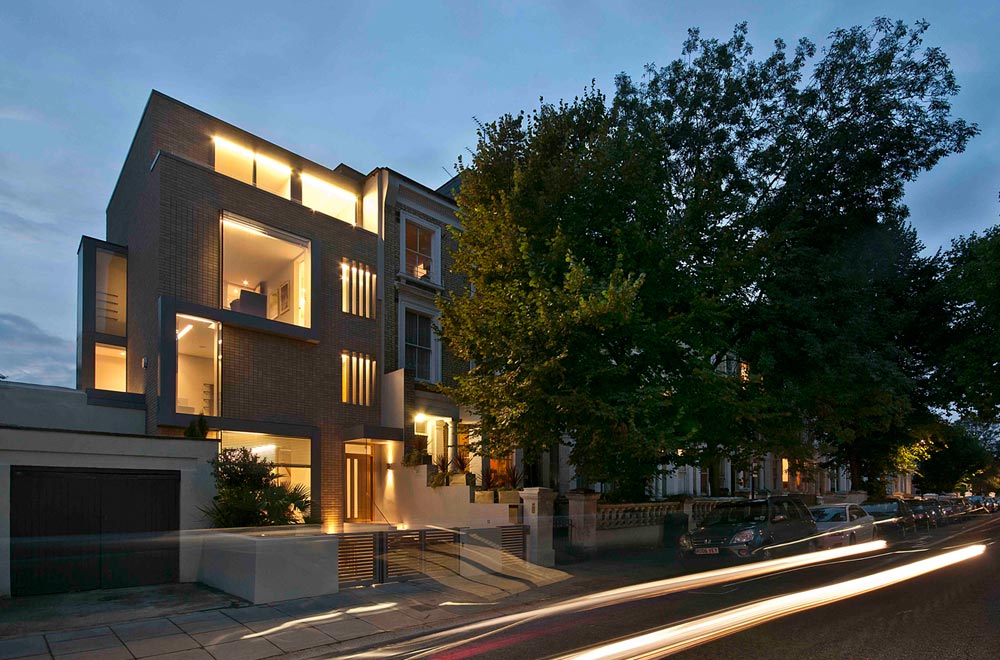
x: 79, y: 529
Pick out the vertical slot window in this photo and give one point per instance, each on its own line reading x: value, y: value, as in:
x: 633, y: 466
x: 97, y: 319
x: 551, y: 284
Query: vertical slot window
x: 110, y: 283
x: 357, y: 289
x: 199, y: 354
x: 357, y: 381
x: 109, y: 368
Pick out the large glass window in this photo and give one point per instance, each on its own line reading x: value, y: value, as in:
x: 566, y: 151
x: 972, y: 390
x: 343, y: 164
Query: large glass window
x: 329, y: 199
x: 199, y: 349
x: 266, y: 272
x: 419, y: 350
x: 420, y: 251
x: 256, y: 169
x: 291, y: 456
x: 110, y: 282
x: 109, y: 367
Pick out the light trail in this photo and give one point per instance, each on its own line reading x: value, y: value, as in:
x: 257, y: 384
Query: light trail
x: 707, y: 628
x: 425, y: 646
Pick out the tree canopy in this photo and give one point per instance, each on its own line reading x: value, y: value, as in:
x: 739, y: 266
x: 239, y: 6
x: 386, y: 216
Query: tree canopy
x: 714, y: 262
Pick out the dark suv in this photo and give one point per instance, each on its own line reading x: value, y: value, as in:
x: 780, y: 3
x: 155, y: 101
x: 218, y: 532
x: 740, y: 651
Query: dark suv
x: 752, y: 529
x: 892, y: 516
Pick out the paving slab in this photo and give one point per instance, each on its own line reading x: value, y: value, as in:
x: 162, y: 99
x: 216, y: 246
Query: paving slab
x: 142, y: 648
x: 273, y: 625
x: 22, y: 647
x: 232, y: 634
x: 389, y: 621
x: 348, y: 629
x: 296, y: 640
x: 117, y: 653
x: 203, y: 621
x: 255, y: 613
x: 77, y: 634
x: 193, y: 654
x: 248, y: 649
x: 145, y: 629
x: 82, y: 644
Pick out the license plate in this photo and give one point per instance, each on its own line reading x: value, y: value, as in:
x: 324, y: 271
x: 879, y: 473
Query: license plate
x: 706, y: 551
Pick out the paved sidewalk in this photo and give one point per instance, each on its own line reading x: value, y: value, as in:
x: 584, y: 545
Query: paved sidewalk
x: 336, y: 623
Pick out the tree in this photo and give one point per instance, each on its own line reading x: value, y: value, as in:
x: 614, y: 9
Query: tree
x: 247, y: 495
x: 956, y: 458
x: 617, y: 254
x: 970, y: 365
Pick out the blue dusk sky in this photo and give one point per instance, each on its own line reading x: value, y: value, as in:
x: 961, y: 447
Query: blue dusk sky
x: 368, y: 84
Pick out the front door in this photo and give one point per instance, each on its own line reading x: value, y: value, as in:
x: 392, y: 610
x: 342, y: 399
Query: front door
x: 358, y: 488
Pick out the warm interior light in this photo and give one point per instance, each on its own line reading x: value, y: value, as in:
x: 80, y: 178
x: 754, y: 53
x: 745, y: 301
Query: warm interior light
x: 231, y: 146
x: 273, y: 164
x: 420, y: 418
x: 262, y: 449
x: 243, y: 227
x: 245, y: 283
x: 121, y: 353
x: 187, y: 329
x: 329, y: 188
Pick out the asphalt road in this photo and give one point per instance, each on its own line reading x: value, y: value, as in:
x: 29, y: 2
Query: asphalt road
x: 949, y: 614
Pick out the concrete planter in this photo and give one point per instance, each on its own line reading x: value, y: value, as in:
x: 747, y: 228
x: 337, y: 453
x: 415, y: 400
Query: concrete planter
x: 265, y: 568
x: 508, y: 497
x: 486, y: 497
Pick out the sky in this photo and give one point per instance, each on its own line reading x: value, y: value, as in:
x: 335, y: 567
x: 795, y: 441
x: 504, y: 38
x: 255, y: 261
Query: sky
x: 369, y: 84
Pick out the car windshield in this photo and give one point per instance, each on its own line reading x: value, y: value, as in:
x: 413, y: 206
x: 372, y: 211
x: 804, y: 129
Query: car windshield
x: 725, y: 514
x: 829, y: 514
x: 879, y: 507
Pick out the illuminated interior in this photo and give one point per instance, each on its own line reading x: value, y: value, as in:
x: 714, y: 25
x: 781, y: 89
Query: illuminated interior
x: 291, y: 456
x: 273, y: 176
x: 233, y: 160
x: 111, y: 277
x: 109, y: 367
x: 419, y: 251
x: 329, y: 199
x: 357, y: 378
x: 266, y: 272
x: 433, y: 432
x: 198, y: 357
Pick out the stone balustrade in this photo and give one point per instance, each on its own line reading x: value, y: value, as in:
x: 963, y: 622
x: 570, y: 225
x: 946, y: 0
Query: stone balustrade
x: 620, y: 516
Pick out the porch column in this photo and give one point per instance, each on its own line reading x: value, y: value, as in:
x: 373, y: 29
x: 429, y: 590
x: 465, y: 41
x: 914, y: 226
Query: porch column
x: 539, y: 506
x: 583, y: 521
x: 452, y: 431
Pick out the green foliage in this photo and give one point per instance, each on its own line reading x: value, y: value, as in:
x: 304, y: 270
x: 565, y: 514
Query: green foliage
x: 247, y: 495
x: 414, y: 457
x: 957, y: 456
x: 725, y: 207
x: 198, y: 428
x: 970, y: 376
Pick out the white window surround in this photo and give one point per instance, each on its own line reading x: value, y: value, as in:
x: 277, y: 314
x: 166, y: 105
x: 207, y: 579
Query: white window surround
x: 435, y: 272
x: 423, y: 310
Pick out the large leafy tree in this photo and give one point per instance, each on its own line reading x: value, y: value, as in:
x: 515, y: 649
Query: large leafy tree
x: 724, y: 207
x: 969, y: 374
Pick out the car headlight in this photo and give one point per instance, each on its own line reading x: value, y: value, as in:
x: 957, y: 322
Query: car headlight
x: 685, y: 542
x: 744, y: 537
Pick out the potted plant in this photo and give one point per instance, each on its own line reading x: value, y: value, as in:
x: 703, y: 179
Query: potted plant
x: 441, y: 475
x: 487, y: 493
x: 461, y: 467
x: 512, y: 480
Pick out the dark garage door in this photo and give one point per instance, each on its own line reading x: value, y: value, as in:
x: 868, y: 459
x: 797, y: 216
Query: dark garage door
x: 79, y: 529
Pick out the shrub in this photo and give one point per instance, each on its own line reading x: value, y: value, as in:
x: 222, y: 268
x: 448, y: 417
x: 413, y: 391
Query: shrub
x: 247, y: 495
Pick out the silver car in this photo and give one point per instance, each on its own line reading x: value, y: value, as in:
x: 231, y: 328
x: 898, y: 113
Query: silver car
x: 843, y: 524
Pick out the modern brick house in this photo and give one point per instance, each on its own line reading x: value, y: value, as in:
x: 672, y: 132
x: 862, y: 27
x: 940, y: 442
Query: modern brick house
x: 290, y: 303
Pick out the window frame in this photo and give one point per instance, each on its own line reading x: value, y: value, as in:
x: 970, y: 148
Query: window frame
x: 434, y: 276
x: 432, y: 314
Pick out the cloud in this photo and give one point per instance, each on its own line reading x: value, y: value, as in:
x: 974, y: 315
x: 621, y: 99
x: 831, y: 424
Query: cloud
x: 13, y: 224
x: 15, y: 113
x: 28, y: 354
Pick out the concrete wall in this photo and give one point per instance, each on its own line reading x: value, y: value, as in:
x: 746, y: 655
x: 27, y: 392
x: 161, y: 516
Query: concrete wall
x: 51, y: 448
x: 44, y: 406
x: 408, y: 500
x: 265, y: 568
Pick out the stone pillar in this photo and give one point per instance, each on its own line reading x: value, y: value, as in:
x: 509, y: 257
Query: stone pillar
x: 583, y: 521
x: 539, y: 506
x: 452, y: 431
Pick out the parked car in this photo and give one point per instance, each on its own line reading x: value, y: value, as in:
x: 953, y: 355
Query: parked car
x: 892, y: 516
x: 752, y: 529
x: 992, y: 504
x: 843, y: 524
x: 926, y: 513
